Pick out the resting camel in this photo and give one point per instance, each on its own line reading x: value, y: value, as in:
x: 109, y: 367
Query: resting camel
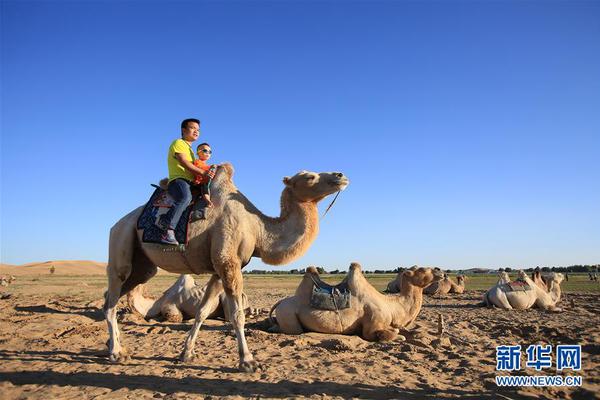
x: 460, y: 286
x: 441, y: 287
x: 234, y: 232
x: 502, y: 296
x: 180, y: 301
x: 372, y: 315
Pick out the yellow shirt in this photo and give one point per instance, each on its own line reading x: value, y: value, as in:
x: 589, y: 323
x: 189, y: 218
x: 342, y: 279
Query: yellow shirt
x: 176, y: 170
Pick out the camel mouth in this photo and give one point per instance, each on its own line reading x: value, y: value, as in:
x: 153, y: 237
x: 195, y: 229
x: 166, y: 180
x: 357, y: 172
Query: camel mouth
x: 340, y: 183
x: 438, y: 275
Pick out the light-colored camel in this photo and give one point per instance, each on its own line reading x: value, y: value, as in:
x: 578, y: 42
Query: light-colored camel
x: 441, y: 287
x: 180, y: 301
x: 7, y: 280
x: 502, y: 297
x: 460, y: 286
x: 234, y: 232
x: 372, y: 315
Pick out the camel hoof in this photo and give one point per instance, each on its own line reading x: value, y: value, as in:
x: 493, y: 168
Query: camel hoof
x: 119, y: 358
x: 187, y: 357
x: 249, y: 366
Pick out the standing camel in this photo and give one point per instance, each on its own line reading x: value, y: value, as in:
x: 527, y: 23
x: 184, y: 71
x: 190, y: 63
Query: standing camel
x: 234, y: 232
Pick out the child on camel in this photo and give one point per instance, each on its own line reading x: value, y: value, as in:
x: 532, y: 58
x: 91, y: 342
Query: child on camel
x: 204, y: 152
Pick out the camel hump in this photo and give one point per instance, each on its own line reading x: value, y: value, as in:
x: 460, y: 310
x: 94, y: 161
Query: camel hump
x: 227, y: 168
x: 354, y: 266
x: 312, y: 270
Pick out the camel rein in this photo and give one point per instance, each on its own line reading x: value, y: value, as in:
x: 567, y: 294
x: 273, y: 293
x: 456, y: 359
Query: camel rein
x: 330, y: 205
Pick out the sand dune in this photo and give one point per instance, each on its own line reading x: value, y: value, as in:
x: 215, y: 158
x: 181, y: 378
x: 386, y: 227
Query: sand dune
x: 72, y: 267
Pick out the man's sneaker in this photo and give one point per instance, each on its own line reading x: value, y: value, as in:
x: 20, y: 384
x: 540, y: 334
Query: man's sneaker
x: 168, y: 237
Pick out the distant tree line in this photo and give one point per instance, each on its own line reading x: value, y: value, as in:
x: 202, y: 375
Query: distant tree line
x: 337, y: 271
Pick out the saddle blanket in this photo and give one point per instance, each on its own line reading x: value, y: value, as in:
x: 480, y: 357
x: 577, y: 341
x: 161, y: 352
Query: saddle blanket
x: 327, y: 297
x: 516, y: 286
x: 159, y: 204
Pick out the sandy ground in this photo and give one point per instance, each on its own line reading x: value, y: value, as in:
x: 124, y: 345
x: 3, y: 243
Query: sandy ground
x: 52, y: 345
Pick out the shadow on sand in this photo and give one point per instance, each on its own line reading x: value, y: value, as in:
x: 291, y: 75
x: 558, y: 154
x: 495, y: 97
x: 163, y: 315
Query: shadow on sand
x: 248, y: 389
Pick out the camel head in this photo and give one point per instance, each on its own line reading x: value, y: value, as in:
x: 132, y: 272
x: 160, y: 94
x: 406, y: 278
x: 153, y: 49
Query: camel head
x: 522, y: 276
x: 461, y: 279
x: 312, y: 186
x: 423, y: 277
x: 555, y: 278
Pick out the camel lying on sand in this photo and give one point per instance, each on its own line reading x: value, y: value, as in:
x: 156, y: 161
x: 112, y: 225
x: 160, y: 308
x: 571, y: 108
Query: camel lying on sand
x: 372, y: 315
x: 441, y: 287
x: 502, y: 296
x: 460, y: 286
x: 221, y: 245
x: 180, y: 301
x: 7, y: 280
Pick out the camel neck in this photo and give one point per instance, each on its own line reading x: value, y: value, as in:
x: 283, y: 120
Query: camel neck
x: 555, y: 291
x: 409, y: 302
x: 287, y: 237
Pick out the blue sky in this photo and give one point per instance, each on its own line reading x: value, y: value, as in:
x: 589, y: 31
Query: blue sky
x: 470, y: 130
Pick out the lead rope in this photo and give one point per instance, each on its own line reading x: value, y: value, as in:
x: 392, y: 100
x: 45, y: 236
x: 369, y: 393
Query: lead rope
x: 328, y: 208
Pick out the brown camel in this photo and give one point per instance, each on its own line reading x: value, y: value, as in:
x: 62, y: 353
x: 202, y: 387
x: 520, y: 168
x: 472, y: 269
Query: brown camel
x: 460, y: 286
x: 372, y: 315
x: 441, y: 287
x: 234, y: 232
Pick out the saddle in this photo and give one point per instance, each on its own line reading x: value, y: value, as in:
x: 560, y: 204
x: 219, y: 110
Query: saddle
x: 327, y: 297
x: 516, y: 286
x: 159, y: 204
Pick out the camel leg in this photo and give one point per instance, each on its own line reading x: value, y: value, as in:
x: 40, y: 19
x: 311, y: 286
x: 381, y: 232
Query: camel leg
x: 287, y: 319
x: 374, y: 331
x: 116, y: 352
x: 207, y: 305
x: 171, y: 313
x: 127, y: 267
x: 233, y: 285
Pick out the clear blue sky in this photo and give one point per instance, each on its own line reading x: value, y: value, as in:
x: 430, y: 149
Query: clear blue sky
x: 470, y: 131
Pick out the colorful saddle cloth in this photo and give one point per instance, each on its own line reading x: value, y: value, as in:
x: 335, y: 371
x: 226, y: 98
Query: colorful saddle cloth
x: 328, y: 297
x: 516, y: 286
x: 160, y: 202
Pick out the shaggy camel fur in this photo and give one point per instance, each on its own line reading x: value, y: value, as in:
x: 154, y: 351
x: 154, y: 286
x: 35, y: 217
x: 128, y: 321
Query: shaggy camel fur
x: 441, y: 287
x: 460, y: 286
x: 180, y: 301
x: 234, y: 232
x: 372, y: 315
x: 521, y: 300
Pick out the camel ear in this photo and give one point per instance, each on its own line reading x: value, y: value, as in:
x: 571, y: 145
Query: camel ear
x: 286, y: 180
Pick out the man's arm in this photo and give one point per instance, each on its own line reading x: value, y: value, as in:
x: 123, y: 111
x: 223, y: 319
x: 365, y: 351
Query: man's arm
x: 191, y: 167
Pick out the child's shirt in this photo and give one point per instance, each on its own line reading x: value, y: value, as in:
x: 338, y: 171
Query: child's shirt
x: 201, y: 179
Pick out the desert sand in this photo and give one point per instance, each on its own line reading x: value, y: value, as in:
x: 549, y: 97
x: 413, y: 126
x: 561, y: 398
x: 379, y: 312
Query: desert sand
x: 52, y: 345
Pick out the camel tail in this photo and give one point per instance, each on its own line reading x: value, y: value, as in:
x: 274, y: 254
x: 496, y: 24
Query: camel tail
x: 273, y: 320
